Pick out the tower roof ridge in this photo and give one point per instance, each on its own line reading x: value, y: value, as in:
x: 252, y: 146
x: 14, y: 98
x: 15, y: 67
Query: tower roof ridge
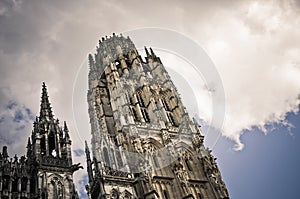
x: 107, y: 41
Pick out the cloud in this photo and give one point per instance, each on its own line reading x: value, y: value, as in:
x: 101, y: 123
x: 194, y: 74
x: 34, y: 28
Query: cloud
x: 257, y: 57
x: 255, y: 46
x: 15, y: 123
x: 78, y: 152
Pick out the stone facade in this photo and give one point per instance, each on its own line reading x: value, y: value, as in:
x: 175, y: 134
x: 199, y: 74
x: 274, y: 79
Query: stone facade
x: 144, y: 143
x: 46, y: 171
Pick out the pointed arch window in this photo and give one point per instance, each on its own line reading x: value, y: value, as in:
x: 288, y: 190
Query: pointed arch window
x: 43, y: 146
x: 140, y: 100
x: 43, y: 195
x: 188, y: 164
x: 5, y: 182
x: 200, y: 196
x: 32, y: 185
x: 51, y: 143
x: 15, y: 185
x: 119, y: 159
x: 166, y: 194
x: 171, y: 118
x: 143, y: 108
x: 106, y: 156
x: 169, y: 112
x: 165, y: 105
x: 24, y: 184
x: 128, y: 98
x: 135, y: 117
x: 145, y: 115
x: 155, y: 159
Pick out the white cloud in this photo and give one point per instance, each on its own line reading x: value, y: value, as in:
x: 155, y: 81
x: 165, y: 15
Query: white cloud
x: 258, y: 59
x: 255, y: 47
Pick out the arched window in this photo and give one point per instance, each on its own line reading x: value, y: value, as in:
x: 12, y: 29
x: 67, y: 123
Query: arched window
x: 171, y: 118
x: 15, y: 185
x: 165, y: 105
x: 128, y: 98
x: 188, y: 164
x: 43, y: 195
x: 135, y: 117
x: 119, y: 159
x: 156, y: 163
x: 51, y: 143
x: 140, y: 100
x: 200, y: 196
x: 24, y: 184
x: 5, y: 183
x: 43, y: 146
x: 106, y: 156
x: 166, y: 194
x: 145, y: 114
x: 32, y: 185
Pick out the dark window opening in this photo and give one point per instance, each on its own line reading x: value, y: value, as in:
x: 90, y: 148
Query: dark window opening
x: 156, y: 163
x: 43, y: 146
x: 135, y: 117
x: 145, y: 115
x: 171, y: 119
x: 165, y: 105
x: 188, y: 164
x: 166, y: 194
x: 32, y: 186
x: 119, y: 159
x: 51, y: 143
x: 5, y: 183
x: 106, y: 156
x: 14, y: 187
x: 140, y: 100
x: 23, y: 184
x: 200, y: 196
x: 128, y: 98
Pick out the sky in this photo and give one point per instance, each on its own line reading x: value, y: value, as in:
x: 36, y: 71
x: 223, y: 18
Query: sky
x: 254, y: 46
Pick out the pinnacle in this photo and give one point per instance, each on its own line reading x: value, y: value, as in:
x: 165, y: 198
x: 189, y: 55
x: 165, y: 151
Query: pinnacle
x: 147, y: 52
x: 45, y: 110
x: 87, y: 151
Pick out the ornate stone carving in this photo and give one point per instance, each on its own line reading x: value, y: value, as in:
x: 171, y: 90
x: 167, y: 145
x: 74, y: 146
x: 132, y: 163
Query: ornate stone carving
x: 165, y: 137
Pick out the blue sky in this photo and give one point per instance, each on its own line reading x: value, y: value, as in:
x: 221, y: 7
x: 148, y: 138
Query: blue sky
x: 268, y: 166
x: 254, y: 45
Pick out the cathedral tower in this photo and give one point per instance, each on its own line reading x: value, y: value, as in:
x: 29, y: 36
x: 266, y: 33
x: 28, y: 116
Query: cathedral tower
x: 46, y: 172
x: 50, y: 150
x: 144, y: 143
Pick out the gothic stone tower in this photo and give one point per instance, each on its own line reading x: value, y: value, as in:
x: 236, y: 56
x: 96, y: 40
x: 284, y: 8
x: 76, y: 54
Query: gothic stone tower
x: 144, y: 144
x: 46, y: 171
x: 51, y: 152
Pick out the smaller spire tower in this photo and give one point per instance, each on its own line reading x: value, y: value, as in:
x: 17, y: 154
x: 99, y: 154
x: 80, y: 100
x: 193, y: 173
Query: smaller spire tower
x: 50, y: 149
x: 47, y: 170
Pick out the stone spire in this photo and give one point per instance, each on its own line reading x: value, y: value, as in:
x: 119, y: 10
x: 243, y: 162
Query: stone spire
x: 147, y: 52
x: 28, y: 147
x: 45, y: 111
x: 89, y: 163
x: 66, y: 130
x: 152, y: 53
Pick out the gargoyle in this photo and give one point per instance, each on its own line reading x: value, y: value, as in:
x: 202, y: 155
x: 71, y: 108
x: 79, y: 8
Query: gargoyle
x: 76, y: 167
